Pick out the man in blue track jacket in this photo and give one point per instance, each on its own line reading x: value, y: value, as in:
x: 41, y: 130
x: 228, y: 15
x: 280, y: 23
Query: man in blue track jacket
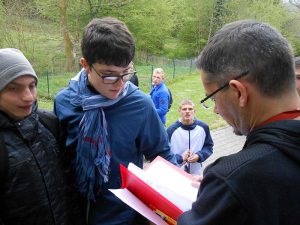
x: 160, y: 94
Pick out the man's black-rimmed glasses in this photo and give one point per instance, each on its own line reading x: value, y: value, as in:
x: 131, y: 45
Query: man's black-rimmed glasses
x: 112, y: 79
x: 203, y: 102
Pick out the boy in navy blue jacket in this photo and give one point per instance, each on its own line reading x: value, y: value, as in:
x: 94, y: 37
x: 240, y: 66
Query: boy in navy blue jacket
x: 108, y: 121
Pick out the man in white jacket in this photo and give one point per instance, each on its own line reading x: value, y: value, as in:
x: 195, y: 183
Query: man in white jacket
x: 190, y: 139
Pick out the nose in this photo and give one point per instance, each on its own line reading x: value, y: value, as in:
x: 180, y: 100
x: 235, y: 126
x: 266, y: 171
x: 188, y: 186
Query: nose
x: 119, y: 83
x: 216, y: 110
x: 28, y: 95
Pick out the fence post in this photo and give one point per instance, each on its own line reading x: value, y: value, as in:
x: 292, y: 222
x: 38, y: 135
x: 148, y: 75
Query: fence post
x: 174, y: 67
x: 48, y: 85
x: 152, y: 68
x: 191, y: 64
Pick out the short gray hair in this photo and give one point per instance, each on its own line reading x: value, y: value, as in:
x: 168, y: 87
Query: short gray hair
x: 253, y: 46
x: 159, y: 70
x: 186, y: 102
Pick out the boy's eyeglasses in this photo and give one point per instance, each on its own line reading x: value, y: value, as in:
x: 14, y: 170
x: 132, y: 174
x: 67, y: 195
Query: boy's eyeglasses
x: 112, y: 79
x: 208, y: 104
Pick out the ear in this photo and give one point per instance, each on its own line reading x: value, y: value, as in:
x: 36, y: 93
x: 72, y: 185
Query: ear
x: 241, y: 92
x: 85, y: 65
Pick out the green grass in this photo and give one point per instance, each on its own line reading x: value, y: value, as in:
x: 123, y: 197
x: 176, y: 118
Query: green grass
x: 182, y: 87
x: 49, y: 86
x: 40, y: 40
x: 145, y: 74
x: 190, y: 87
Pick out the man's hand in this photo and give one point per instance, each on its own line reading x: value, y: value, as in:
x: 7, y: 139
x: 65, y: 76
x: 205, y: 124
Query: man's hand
x: 193, y: 158
x: 189, y: 156
x: 198, y: 178
x: 186, y: 155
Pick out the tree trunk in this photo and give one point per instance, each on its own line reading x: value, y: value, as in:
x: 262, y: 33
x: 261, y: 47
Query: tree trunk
x: 70, y: 61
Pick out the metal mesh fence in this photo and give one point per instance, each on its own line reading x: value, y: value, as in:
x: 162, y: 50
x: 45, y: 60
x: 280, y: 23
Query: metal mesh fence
x: 52, y: 77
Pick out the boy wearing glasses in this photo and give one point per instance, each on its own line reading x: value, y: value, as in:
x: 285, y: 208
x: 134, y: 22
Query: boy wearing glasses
x: 108, y: 121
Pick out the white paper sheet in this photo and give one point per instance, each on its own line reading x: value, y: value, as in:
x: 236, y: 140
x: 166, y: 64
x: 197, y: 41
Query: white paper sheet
x: 128, y: 198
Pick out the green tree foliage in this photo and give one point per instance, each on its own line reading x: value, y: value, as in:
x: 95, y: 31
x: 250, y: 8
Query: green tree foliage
x: 216, y: 20
x: 295, y: 3
x: 16, y: 30
x: 294, y: 25
x: 191, y: 25
x: 176, y: 28
x: 269, y: 11
x: 195, y: 22
x: 68, y: 44
x: 150, y: 22
x: 2, y: 22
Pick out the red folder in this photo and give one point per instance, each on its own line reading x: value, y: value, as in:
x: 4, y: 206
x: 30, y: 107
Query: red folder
x: 162, y: 206
x: 149, y: 196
